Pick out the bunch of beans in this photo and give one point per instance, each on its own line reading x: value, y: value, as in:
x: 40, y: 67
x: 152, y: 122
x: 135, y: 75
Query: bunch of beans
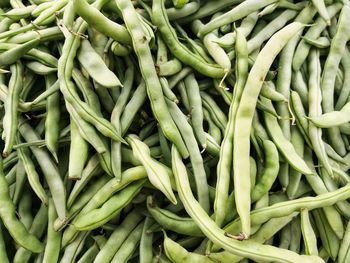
x: 174, y: 131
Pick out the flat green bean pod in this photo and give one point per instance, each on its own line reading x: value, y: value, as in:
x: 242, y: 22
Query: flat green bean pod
x: 96, y: 67
x: 245, y: 114
x: 158, y: 174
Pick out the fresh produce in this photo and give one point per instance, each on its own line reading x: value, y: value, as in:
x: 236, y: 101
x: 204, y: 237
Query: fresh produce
x: 174, y: 131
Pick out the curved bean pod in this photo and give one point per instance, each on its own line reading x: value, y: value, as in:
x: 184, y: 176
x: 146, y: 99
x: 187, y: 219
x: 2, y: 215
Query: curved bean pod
x: 160, y: 19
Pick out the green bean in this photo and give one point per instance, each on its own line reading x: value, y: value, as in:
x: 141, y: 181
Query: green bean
x: 169, y: 68
x: 37, y: 228
x: 272, y: 27
x: 284, y: 146
x: 174, y: 80
x: 109, y: 209
x: 53, y: 241
x: 158, y: 174
x: 146, y: 253
x: 78, y: 153
x: 223, y: 167
x: 24, y: 209
x: 300, y: 86
x: 41, y: 7
x: 343, y: 254
x: 171, y: 221
x: 87, y: 131
x: 309, y: 236
x: 78, y: 205
x: 245, y: 27
x: 285, y: 237
x: 327, y: 236
x: 148, y: 72
x: 245, y: 115
x: 300, y: 114
x: 264, y: 105
x: 49, y: 91
x: 16, y: 228
x: 216, y: 52
x: 333, y: 118
x: 160, y: 19
x: 120, y: 50
x: 249, y: 249
x: 129, y: 246
x: 332, y: 154
x: 5, y: 24
x: 72, y: 250
x: 21, y: 180
x: 176, y: 253
x: 166, y: 155
x: 52, y: 118
x: 89, y: 254
x: 270, y: 171
x: 345, y: 91
x: 152, y: 140
x: 269, y: 92
x: 195, y: 102
x: 238, y: 12
x: 162, y: 52
x: 118, y: 236
x: 214, y: 131
x: 195, y: 155
x: 40, y: 69
x: 97, y: 20
x: 48, y: 168
x: 321, y: 42
x: 315, y: 134
x: 295, y: 177
x: 208, y: 9
x: 12, y: 55
x: 187, y: 10
x: 11, y: 103
x: 91, y: 169
x: 168, y: 93
x: 96, y: 67
x: 296, y: 237
x: 322, y: 10
x: 217, y: 114
x: 87, y: 90
x: 213, y: 147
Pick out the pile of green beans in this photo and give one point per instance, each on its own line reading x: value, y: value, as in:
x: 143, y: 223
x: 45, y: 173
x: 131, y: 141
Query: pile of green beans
x: 174, y: 131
